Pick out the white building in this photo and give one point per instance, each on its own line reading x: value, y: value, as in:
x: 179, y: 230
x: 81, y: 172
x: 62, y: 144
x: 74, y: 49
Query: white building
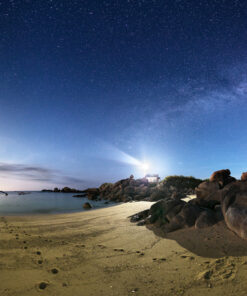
x: 152, y: 178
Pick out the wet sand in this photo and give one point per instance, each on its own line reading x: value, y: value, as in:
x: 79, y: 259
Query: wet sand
x: 101, y: 253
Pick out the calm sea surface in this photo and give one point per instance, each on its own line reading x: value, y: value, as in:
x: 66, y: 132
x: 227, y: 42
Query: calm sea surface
x: 44, y: 203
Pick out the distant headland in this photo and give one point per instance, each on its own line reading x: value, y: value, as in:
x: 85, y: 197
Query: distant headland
x: 64, y: 190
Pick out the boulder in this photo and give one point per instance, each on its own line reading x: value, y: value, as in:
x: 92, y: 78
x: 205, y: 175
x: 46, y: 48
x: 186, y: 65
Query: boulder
x: 207, y: 218
x: 123, y: 182
x: 174, y: 211
x: 129, y: 190
x: 187, y: 216
x: 244, y: 176
x: 222, y: 177
x: 126, y: 198
x: 218, y: 213
x: 158, y: 194
x: 159, y: 210
x: 87, y: 206
x: 210, y: 204
x: 92, y: 193
x: 178, y: 195
x: 234, y: 208
x: 209, y: 190
x: 139, y: 216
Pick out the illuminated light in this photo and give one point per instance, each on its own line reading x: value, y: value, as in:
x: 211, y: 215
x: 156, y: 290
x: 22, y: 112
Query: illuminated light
x: 144, y: 166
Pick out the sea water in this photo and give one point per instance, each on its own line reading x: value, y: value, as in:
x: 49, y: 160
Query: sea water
x: 44, y: 203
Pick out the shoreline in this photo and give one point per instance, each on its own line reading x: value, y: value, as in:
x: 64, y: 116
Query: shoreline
x: 102, y: 253
x: 2, y: 215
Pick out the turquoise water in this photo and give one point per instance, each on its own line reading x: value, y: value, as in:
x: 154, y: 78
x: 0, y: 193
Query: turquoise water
x: 44, y: 203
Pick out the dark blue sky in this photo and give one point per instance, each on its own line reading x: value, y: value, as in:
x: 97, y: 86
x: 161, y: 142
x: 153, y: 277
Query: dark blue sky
x: 89, y: 89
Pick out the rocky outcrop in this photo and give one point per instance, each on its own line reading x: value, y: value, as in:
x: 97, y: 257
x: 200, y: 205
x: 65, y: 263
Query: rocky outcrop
x: 5, y: 193
x: 169, y: 215
x: 67, y: 190
x: 222, y: 197
x: 92, y: 193
x: 125, y: 190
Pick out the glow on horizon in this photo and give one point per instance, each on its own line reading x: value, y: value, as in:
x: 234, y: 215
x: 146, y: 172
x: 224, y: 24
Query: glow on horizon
x: 12, y: 184
x: 35, y: 177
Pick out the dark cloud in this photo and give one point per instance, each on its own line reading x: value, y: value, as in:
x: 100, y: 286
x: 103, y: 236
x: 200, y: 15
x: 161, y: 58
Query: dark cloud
x: 16, y: 168
x: 38, y: 174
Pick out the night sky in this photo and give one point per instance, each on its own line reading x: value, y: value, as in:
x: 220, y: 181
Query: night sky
x: 89, y: 89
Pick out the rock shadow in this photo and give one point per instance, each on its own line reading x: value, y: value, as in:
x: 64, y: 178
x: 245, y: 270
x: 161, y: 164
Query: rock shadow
x: 211, y: 242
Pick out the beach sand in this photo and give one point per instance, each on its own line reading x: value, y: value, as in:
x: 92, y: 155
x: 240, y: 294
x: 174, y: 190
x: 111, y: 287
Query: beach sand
x: 101, y: 253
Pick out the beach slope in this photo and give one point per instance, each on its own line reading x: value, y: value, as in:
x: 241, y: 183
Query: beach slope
x: 101, y: 253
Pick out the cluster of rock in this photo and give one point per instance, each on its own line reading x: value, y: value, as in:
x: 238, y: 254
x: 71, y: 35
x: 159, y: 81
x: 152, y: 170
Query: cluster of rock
x: 130, y: 189
x: 221, y: 197
x: 64, y: 190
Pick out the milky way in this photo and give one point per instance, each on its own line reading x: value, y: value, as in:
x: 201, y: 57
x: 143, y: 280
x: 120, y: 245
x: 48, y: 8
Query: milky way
x: 163, y: 81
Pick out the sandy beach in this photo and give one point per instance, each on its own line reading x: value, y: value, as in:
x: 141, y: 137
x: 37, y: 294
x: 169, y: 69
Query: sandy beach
x: 101, y: 253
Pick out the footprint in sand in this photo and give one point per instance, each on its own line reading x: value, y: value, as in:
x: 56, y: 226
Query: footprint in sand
x: 220, y: 269
x: 54, y: 270
x: 140, y: 253
x: 162, y: 259
x: 101, y: 246
x: 159, y: 260
x: 119, y: 250
x: 187, y: 257
x: 42, y: 285
x: 38, y: 253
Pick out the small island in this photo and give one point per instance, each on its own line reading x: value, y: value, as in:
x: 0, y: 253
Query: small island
x: 63, y: 190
